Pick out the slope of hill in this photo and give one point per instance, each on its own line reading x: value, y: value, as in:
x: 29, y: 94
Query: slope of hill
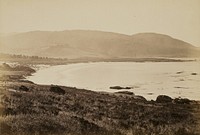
x: 85, y: 43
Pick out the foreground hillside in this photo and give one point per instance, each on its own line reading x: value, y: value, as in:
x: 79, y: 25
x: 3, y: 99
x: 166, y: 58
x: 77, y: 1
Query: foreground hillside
x: 28, y: 108
x: 95, y: 44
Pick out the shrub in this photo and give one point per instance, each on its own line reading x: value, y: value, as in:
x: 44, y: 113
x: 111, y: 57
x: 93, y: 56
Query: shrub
x: 57, y: 89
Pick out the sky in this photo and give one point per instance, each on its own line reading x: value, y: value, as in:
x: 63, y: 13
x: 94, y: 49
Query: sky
x: 177, y: 18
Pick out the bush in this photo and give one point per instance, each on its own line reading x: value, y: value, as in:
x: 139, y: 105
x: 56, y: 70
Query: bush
x: 57, y: 89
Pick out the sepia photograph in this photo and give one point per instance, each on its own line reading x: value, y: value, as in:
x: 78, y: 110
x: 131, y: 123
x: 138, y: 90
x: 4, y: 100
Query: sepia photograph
x: 99, y: 67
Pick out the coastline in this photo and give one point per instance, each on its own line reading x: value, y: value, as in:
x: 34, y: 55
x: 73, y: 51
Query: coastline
x: 169, y: 78
x: 90, y: 112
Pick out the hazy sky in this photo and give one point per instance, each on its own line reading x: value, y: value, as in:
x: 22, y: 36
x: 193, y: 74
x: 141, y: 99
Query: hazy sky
x: 177, y: 18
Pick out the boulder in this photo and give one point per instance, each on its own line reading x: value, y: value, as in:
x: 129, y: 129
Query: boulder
x: 180, y: 72
x: 193, y: 73
x: 163, y: 99
x: 23, y: 88
x: 125, y: 92
x: 140, y: 98
x: 57, y: 90
x: 119, y: 87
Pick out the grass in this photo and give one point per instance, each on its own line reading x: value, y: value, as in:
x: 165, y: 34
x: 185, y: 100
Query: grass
x: 41, y: 111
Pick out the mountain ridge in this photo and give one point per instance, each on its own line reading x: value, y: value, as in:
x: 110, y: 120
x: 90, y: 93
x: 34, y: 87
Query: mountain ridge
x: 91, y: 43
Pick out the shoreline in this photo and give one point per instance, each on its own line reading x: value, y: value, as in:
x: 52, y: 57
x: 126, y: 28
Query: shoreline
x: 59, y: 61
x: 89, y: 111
x: 135, y: 87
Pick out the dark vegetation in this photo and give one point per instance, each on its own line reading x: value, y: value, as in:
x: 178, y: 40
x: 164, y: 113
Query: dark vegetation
x: 31, y: 109
x: 57, y: 90
x: 23, y: 88
x: 24, y: 60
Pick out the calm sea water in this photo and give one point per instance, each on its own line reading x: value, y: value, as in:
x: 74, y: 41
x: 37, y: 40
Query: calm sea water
x: 148, y: 79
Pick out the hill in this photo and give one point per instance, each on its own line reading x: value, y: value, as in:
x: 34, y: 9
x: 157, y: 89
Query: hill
x: 95, y: 44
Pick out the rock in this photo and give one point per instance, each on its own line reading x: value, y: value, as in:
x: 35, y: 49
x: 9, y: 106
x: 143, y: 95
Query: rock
x: 181, y: 80
x: 23, y: 88
x: 193, y: 73
x: 140, y: 98
x: 119, y: 87
x: 180, y: 72
x: 57, y: 89
x: 125, y: 92
x: 181, y: 101
x: 163, y: 99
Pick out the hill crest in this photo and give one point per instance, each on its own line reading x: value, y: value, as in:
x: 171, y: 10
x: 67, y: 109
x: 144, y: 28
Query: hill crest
x: 89, y: 43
